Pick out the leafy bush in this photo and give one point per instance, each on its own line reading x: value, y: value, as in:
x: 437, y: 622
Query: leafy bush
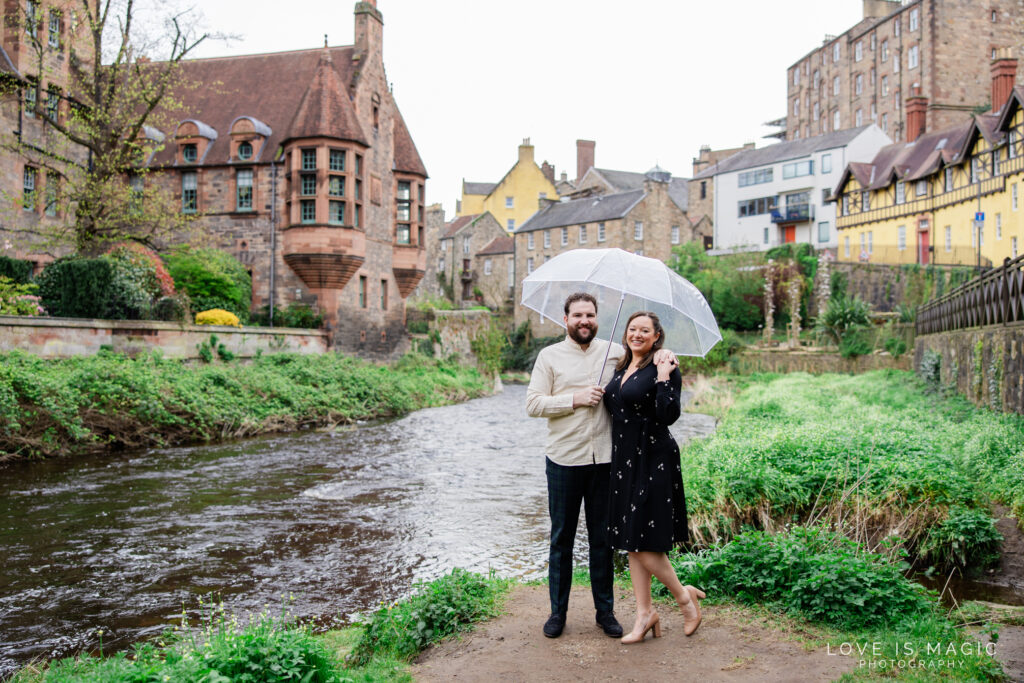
x: 855, y: 342
x: 812, y: 572
x: 522, y: 349
x: 965, y: 539
x: 217, y: 316
x: 896, y: 346
x: 77, y: 287
x: 733, y: 286
x: 931, y: 368
x: 843, y: 315
x: 18, y: 299
x: 440, y: 608
x: 717, y: 357
x: 17, y: 270
x: 418, y: 326
x: 296, y: 314
x: 212, y: 279
x: 488, y: 345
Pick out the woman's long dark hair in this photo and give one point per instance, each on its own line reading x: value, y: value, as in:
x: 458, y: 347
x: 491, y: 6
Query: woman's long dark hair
x: 658, y: 343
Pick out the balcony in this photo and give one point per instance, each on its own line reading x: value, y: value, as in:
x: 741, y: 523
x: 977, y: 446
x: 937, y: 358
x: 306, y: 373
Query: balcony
x: 798, y: 213
x: 409, y: 264
x: 466, y: 276
x: 324, y: 257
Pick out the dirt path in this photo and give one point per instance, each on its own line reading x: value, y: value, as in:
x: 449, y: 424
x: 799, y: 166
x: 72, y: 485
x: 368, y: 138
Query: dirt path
x: 729, y: 646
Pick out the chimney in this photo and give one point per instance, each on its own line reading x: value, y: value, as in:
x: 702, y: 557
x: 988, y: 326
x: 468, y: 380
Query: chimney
x: 584, y: 157
x: 564, y: 178
x: 549, y: 172
x: 369, y: 31
x: 526, y: 152
x: 1004, y: 73
x: 879, y: 8
x: 917, y: 113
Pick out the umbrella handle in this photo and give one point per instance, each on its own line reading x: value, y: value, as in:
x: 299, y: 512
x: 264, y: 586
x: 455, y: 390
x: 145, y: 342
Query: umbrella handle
x: 611, y: 341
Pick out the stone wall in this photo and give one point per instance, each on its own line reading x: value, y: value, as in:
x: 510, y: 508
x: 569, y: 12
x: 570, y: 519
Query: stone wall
x: 887, y: 286
x: 752, y: 360
x: 985, y: 365
x: 67, y: 337
x: 457, y: 329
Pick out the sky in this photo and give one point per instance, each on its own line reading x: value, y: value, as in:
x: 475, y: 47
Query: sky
x: 650, y: 81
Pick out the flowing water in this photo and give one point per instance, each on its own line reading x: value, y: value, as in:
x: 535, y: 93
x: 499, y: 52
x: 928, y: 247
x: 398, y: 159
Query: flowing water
x: 341, y: 520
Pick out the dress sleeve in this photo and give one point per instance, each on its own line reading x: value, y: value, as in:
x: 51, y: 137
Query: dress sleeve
x: 666, y: 402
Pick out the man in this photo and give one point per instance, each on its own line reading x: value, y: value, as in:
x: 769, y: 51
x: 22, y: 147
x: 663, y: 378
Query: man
x: 563, y: 388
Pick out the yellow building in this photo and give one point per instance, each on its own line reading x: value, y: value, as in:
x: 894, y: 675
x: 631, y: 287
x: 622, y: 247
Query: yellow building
x: 516, y: 196
x: 917, y: 201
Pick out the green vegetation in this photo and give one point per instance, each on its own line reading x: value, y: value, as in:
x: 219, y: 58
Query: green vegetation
x: 873, y: 453
x: 18, y: 298
x: 296, y: 314
x: 266, y: 648
x: 733, y: 285
x: 18, y: 270
x: 716, y: 358
x: 522, y: 348
x: 110, y: 400
x: 212, y: 279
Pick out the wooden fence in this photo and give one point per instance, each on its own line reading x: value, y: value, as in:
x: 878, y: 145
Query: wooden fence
x: 994, y: 298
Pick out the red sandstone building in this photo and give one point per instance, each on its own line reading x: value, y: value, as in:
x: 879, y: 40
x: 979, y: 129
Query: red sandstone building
x: 300, y: 164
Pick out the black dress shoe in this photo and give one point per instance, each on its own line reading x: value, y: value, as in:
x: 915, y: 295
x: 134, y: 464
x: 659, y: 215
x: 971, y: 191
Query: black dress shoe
x: 554, y: 625
x: 608, y: 622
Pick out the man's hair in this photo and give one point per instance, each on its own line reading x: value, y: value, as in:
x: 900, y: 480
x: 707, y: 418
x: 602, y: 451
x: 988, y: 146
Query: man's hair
x: 580, y: 296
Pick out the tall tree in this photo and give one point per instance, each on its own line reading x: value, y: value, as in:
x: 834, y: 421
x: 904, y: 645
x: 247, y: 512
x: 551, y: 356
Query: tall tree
x: 123, y: 84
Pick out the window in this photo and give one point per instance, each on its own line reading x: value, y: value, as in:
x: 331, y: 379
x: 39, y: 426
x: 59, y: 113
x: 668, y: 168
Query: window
x: 885, y: 123
x: 796, y: 106
x: 1011, y: 144
x: 1013, y: 247
x: 565, y: 236
x: 1013, y: 196
x: 901, y: 237
x: 797, y: 169
x: 542, y: 195
x: 440, y: 265
x: 245, y: 151
x: 50, y: 197
x: 511, y: 273
x: 756, y: 207
x: 874, y: 76
x: 188, y: 192
x: 835, y: 120
x: 384, y: 295
x: 835, y: 53
x: 31, y: 17
x: 858, y: 118
x: 336, y: 188
x: 336, y: 161
x: 863, y: 244
x: 896, y: 26
x: 638, y: 230
x: 874, y: 43
x: 874, y: 112
x: 823, y: 231
x: 54, y: 26
x: 703, y: 189
x: 885, y: 86
x: 896, y: 61
x: 510, y: 224
x: 529, y: 241
x: 362, y: 291
x: 858, y: 51
x: 817, y: 111
x: 995, y: 16
x: 243, y: 190
x: 189, y: 153
x: 824, y: 195
x: 922, y: 188
x: 511, y: 201
x: 901, y: 192
x: 858, y: 84
x: 871, y: 242
x: 444, y: 245
x: 309, y: 159
x: 583, y: 234
x: 674, y: 235
x: 846, y: 205
x: 975, y: 167
x: 359, y: 164
x: 817, y: 80
x: 308, y: 185
x: 765, y: 236
x: 600, y: 232
x: 865, y: 201
x: 885, y: 50
x: 796, y: 76
x: 846, y: 240
x: 912, y: 57
x: 307, y: 210
x: 826, y: 163
x: 947, y: 175
x: 835, y: 86
x: 762, y: 175
x: 52, y: 102
x: 547, y: 239
x: 403, y: 235
x: 913, y: 19
x: 336, y: 213
x: 136, y: 185
x: 529, y: 264
x: 949, y: 238
x: 359, y: 189
x: 999, y: 226
x: 465, y: 244
x: 30, y: 100
x: 403, y: 203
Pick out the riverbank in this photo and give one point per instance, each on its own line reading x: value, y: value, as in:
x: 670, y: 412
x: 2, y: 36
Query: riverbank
x: 110, y: 401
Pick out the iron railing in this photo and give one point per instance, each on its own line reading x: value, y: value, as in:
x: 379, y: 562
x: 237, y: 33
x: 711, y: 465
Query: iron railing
x: 993, y: 298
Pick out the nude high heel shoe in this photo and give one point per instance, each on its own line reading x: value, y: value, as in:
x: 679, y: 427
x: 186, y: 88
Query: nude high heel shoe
x: 653, y: 624
x: 691, y: 609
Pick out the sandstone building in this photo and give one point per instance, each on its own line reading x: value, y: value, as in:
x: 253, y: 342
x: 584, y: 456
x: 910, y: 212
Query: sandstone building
x: 514, y: 198
x: 940, y: 47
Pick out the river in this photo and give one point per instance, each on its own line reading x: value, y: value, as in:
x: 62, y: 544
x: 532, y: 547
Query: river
x: 340, y: 520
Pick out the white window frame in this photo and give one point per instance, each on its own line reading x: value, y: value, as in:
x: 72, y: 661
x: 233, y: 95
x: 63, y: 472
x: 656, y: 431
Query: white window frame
x: 638, y: 226
x: 465, y: 244
x: 826, y: 163
x: 858, y: 84
x: 529, y: 262
x: 836, y: 120
x: 600, y: 232
x: 823, y: 232
x: 947, y: 180
x: 835, y: 86
x: 529, y: 241
x: 858, y: 51
x: 999, y: 226
x: 846, y: 246
x: 835, y: 54
x: 1013, y: 196
x: 547, y: 239
x: 858, y: 118
x: 1013, y: 247
x: 583, y: 234
x: 901, y: 191
x: 565, y: 234
x: 949, y: 237
x: 921, y: 190
x: 674, y: 235
x: 510, y: 225
x: 913, y: 21
x: 487, y: 266
x: 901, y: 238
x: 510, y: 202
x: 912, y: 57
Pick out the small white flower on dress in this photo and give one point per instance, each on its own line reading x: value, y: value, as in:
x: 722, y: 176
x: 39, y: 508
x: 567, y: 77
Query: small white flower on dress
x: 651, y: 524
x: 632, y: 508
x: 661, y: 466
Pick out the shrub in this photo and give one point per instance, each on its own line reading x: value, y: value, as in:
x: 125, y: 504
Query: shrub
x: 489, y: 347
x: 717, y: 357
x: 842, y: 315
x: 172, y: 309
x: 418, y: 327
x: 855, y: 342
x: 296, y: 314
x: 965, y: 539
x: 522, y: 348
x: 733, y: 289
x: 212, y: 279
x: 77, y: 287
x: 18, y: 299
x: 931, y: 368
x: 896, y: 346
x: 217, y: 316
x: 17, y: 270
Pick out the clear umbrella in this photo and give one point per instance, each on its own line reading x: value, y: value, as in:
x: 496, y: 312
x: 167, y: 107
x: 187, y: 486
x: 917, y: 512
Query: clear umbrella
x: 621, y: 281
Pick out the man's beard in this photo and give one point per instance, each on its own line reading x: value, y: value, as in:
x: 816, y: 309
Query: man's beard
x: 574, y: 334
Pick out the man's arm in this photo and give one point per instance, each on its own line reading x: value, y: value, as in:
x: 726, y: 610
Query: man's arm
x: 540, y: 401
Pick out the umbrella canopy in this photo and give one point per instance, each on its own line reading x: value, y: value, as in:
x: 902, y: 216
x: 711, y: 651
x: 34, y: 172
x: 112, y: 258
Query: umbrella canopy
x: 624, y: 283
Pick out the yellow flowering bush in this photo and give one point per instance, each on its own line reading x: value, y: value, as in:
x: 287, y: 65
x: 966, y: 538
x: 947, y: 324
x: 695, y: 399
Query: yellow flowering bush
x: 217, y: 316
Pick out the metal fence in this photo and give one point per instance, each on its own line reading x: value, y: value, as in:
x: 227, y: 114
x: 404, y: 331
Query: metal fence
x: 994, y: 298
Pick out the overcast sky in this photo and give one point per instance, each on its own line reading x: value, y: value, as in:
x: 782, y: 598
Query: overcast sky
x: 650, y: 81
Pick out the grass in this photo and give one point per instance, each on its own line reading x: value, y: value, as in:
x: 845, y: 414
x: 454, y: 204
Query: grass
x: 55, y: 407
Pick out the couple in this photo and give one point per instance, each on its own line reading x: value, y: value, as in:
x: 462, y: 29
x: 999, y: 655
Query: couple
x: 618, y: 459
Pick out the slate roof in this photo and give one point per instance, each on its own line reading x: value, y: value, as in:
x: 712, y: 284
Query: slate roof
x: 587, y: 210
x: 783, y: 151
x: 622, y: 181
x: 407, y: 158
x: 478, y: 188
x: 499, y: 245
x: 458, y: 223
x: 6, y: 65
x: 325, y: 109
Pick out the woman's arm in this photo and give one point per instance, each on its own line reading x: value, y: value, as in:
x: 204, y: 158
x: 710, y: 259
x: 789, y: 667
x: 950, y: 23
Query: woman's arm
x: 666, y: 401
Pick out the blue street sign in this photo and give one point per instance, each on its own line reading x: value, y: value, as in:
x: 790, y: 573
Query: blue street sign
x: 980, y: 216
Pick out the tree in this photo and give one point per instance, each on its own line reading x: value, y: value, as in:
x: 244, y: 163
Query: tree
x: 96, y: 134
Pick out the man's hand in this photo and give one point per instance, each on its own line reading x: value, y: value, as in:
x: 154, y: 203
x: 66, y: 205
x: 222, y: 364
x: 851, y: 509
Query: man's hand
x: 591, y: 396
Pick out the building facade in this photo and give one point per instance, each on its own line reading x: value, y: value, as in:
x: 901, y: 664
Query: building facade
x: 781, y: 193
x: 515, y: 197
x: 920, y: 201
x: 702, y: 191
x: 864, y: 75
x: 463, y: 238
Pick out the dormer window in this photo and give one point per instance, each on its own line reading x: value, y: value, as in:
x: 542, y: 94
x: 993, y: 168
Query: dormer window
x: 190, y: 153
x: 245, y: 151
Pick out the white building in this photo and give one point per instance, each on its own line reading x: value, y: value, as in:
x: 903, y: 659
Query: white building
x: 778, y: 194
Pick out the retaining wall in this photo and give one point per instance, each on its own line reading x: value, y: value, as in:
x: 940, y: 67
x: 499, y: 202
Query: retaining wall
x: 752, y: 360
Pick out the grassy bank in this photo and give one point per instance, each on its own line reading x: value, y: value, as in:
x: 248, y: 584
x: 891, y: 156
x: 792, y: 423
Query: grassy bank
x: 51, y: 407
x: 264, y: 648
x: 874, y: 454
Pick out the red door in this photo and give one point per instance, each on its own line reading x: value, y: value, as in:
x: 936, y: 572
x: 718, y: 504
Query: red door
x: 789, y: 233
x: 922, y: 247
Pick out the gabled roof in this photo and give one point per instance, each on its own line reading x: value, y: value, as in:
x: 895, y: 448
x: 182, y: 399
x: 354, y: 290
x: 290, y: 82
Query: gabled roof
x: 587, y: 210
x: 452, y: 227
x: 499, y: 245
x: 783, y: 151
x: 478, y: 188
x: 1015, y: 101
x: 325, y: 109
x: 623, y: 181
x: 406, y: 157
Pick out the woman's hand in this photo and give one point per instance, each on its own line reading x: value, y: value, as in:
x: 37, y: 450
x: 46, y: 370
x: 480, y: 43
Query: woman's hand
x: 665, y: 363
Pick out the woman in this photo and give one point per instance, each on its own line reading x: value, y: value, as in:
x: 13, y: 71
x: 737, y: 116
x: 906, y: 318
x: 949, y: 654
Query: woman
x: 648, y: 510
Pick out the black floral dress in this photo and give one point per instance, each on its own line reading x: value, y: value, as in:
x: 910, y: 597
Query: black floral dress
x: 647, y: 505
